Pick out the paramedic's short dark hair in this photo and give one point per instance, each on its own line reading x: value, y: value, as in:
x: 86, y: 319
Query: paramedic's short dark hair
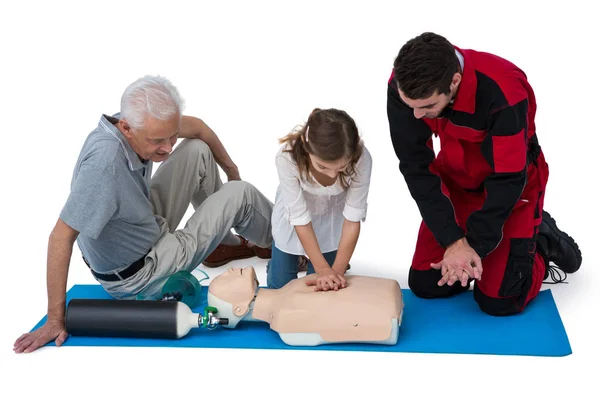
x: 424, y: 65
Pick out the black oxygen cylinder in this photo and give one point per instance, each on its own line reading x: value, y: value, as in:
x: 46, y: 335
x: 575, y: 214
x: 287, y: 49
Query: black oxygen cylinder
x: 129, y: 318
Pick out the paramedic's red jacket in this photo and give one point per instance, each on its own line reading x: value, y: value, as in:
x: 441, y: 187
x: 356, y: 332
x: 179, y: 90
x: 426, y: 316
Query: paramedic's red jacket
x: 484, y: 139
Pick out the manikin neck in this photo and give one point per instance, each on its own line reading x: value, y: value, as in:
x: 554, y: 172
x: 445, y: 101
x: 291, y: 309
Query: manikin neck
x: 262, y: 306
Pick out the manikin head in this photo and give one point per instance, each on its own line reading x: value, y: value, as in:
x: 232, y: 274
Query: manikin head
x: 329, y: 143
x: 232, y: 292
x: 150, y: 119
x: 427, y: 73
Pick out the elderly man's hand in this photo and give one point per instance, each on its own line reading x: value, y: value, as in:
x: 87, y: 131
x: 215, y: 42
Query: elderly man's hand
x: 233, y: 174
x: 51, y: 330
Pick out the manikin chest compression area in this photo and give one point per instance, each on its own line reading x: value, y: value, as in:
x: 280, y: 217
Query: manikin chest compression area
x: 368, y: 310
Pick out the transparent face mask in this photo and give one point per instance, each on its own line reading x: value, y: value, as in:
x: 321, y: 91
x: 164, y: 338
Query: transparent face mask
x: 182, y: 286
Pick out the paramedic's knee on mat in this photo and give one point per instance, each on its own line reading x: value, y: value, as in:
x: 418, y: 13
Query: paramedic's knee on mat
x: 507, y: 293
x: 423, y: 283
x: 497, y: 306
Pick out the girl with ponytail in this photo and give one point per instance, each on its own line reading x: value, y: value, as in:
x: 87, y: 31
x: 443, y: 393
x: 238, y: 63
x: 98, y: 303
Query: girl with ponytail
x: 324, y: 174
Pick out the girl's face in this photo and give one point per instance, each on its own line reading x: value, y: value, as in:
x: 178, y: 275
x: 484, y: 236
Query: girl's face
x: 330, y: 168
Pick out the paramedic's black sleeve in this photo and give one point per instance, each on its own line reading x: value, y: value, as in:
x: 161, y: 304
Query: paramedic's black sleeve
x: 413, y: 145
x: 505, y: 149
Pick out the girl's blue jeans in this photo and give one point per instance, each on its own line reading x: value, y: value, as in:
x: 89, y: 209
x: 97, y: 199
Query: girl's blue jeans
x: 283, y: 267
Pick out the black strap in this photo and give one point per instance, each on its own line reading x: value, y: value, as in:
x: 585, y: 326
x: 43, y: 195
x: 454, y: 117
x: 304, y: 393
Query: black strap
x: 533, y: 150
x: 121, y: 275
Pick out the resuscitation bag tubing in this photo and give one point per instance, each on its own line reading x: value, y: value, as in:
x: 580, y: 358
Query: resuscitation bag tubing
x: 128, y: 318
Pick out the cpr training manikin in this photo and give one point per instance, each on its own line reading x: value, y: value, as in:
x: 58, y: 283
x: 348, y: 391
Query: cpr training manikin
x: 368, y: 310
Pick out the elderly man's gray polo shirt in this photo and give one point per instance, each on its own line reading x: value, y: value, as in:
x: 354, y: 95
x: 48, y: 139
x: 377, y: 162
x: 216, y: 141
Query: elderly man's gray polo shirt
x: 109, y: 201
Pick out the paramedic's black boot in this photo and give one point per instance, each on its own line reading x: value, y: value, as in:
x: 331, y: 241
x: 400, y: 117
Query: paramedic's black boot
x: 557, y: 247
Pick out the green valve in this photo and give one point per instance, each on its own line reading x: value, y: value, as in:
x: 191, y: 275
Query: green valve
x: 210, y: 320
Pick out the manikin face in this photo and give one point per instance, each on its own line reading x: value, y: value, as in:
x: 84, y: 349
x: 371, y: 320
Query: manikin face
x: 232, y: 292
x: 432, y: 106
x: 155, y: 140
x: 330, y: 168
x: 235, y: 284
x: 238, y: 276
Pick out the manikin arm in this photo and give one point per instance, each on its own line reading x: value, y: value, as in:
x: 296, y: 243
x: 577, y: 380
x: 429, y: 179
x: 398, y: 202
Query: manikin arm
x: 60, y: 247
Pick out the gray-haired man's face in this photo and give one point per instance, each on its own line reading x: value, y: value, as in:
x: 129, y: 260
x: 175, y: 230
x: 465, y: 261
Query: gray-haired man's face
x: 155, y: 140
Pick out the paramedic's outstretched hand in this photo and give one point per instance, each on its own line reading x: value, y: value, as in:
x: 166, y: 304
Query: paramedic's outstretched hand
x: 460, y: 262
x: 327, y: 279
x: 51, y: 330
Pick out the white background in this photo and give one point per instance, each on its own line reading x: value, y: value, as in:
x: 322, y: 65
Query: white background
x: 253, y: 70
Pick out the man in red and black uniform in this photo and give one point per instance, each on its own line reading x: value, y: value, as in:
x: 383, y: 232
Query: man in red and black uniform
x: 481, y: 198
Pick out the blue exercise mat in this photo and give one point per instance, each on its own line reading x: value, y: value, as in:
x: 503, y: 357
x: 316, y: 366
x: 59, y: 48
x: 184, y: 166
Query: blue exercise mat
x: 453, y: 325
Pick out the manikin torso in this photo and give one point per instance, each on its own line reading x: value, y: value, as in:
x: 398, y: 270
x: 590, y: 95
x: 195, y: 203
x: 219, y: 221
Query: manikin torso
x: 368, y: 310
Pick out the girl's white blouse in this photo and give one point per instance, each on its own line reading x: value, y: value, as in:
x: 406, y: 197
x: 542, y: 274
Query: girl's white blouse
x: 299, y: 202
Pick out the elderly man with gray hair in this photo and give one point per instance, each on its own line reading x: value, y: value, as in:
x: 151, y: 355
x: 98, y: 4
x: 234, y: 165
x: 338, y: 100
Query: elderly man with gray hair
x: 125, y: 221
